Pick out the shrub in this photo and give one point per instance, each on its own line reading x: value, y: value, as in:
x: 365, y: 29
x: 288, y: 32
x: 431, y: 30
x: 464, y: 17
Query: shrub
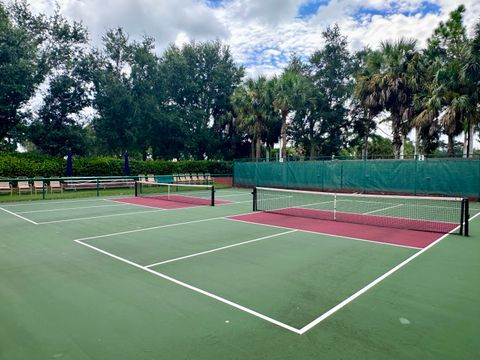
x: 14, y: 165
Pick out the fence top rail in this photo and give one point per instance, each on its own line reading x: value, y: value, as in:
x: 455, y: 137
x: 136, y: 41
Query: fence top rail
x: 457, y: 157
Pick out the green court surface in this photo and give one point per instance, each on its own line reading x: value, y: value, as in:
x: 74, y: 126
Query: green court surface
x: 92, y: 278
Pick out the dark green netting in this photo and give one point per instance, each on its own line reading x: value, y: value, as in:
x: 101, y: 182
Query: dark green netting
x: 452, y: 177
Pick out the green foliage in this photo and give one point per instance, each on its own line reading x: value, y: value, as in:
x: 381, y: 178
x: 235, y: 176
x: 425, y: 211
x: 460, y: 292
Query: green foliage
x: 37, y: 165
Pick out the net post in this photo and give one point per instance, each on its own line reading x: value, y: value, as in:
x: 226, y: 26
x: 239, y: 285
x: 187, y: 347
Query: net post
x: 462, y: 216
x: 43, y: 189
x: 335, y: 207
x: 467, y: 217
x: 136, y: 187
x: 254, y: 193
x: 98, y: 186
x: 213, y: 196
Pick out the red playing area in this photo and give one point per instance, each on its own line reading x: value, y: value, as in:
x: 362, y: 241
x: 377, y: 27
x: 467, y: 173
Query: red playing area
x: 411, y: 238
x: 367, y: 219
x: 173, y: 202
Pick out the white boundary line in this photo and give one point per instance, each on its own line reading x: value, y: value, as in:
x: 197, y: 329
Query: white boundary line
x: 54, y: 201
x: 99, y: 217
x: 230, y: 217
x: 19, y: 216
x: 373, y: 283
x: 131, y: 204
x: 220, y: 248
x: 156, y: 227
x: 301, y: 331
x: 198, y: 290
x: 390, y: 207
x: 75, y: 208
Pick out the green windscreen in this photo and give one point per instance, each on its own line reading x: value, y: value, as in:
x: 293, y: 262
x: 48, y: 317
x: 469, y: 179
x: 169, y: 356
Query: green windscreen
x: 452, y: 177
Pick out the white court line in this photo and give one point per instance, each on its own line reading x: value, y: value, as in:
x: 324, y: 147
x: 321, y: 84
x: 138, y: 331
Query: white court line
x: 221, y: 248
x: 53, y: 202
x: 198, y: 290
x: 373, y: 283
x: 230, y: 217
x: 236, y: 194
x: 138, y: 205
x: 155, y: 227
x: 257, y: 314
x: 75, y: 208
x: 19, y: 216
x: 390, y: 207
x: 131, y: 213
x: 99, y: 217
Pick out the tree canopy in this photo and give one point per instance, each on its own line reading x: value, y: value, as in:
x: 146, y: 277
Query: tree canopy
x: 58, y: 92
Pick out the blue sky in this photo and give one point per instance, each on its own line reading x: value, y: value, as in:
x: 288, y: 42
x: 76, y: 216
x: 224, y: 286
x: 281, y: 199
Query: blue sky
x: 263, y: 34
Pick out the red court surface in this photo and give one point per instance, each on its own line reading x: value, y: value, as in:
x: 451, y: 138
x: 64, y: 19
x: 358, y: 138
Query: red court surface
x: 174, y: 202
x: 411, y: 238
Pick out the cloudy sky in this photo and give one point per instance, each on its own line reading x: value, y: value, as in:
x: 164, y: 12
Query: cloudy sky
x: 263, y: 34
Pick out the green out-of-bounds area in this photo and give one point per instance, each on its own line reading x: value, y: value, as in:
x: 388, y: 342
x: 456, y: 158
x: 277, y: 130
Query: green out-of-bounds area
x: 91, y: 278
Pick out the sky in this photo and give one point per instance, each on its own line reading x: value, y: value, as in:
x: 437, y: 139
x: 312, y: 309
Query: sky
x: 262, y: 34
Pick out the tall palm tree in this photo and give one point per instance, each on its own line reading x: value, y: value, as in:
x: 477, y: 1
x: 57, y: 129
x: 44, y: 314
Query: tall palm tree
x: 470, y: 74
x: 287, y: 94
x: 451, y: 96
x: 397, y: 82
x: 251, y: 105
x: 368, y: 94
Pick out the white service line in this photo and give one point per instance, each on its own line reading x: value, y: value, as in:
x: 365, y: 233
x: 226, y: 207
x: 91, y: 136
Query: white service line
x: 63, y: 209
x: 19, y: 216
x: 198, y: 290
x: 236, y: 194
x: 99, y: 217
x: 53, y: 202
x: 373, y: 283
x: 221, y: 248
x: 154, y: 227
x: 387, y: 208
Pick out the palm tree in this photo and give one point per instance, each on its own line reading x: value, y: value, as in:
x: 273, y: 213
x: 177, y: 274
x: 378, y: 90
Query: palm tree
x: 368, y: 94
x: 251, y: 105
x: 451, y: 93
x: 392, y: 86
x: 287, y: 94
x: 470, y: 74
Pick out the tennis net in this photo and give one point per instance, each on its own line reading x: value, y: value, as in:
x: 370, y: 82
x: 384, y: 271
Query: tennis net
x: 432, y: 214
x: 183, y: 193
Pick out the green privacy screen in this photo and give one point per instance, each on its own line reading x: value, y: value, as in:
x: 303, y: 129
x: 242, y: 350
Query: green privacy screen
x: 428, y: 177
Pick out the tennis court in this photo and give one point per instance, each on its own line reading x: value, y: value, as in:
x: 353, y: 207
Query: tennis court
x: 134, y: 278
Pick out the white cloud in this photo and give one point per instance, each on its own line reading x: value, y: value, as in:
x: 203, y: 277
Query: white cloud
x: 261, y: 34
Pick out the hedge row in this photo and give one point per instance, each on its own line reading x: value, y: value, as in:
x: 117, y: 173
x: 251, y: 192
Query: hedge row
x: 18, y: 165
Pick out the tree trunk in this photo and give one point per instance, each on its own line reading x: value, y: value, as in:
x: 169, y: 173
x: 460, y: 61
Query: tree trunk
x: 284, y: 133
x: 417, y: 142
x: 312, y: 142
x: 367, y: 133
x: 451, y: 150
x: 470, y: 141
x: 258, y: 148
x: 397, y: 137
x: 467, y: 143
x: 252, y: 149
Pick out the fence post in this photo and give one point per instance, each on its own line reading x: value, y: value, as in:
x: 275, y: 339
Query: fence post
x: 416, y: 176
